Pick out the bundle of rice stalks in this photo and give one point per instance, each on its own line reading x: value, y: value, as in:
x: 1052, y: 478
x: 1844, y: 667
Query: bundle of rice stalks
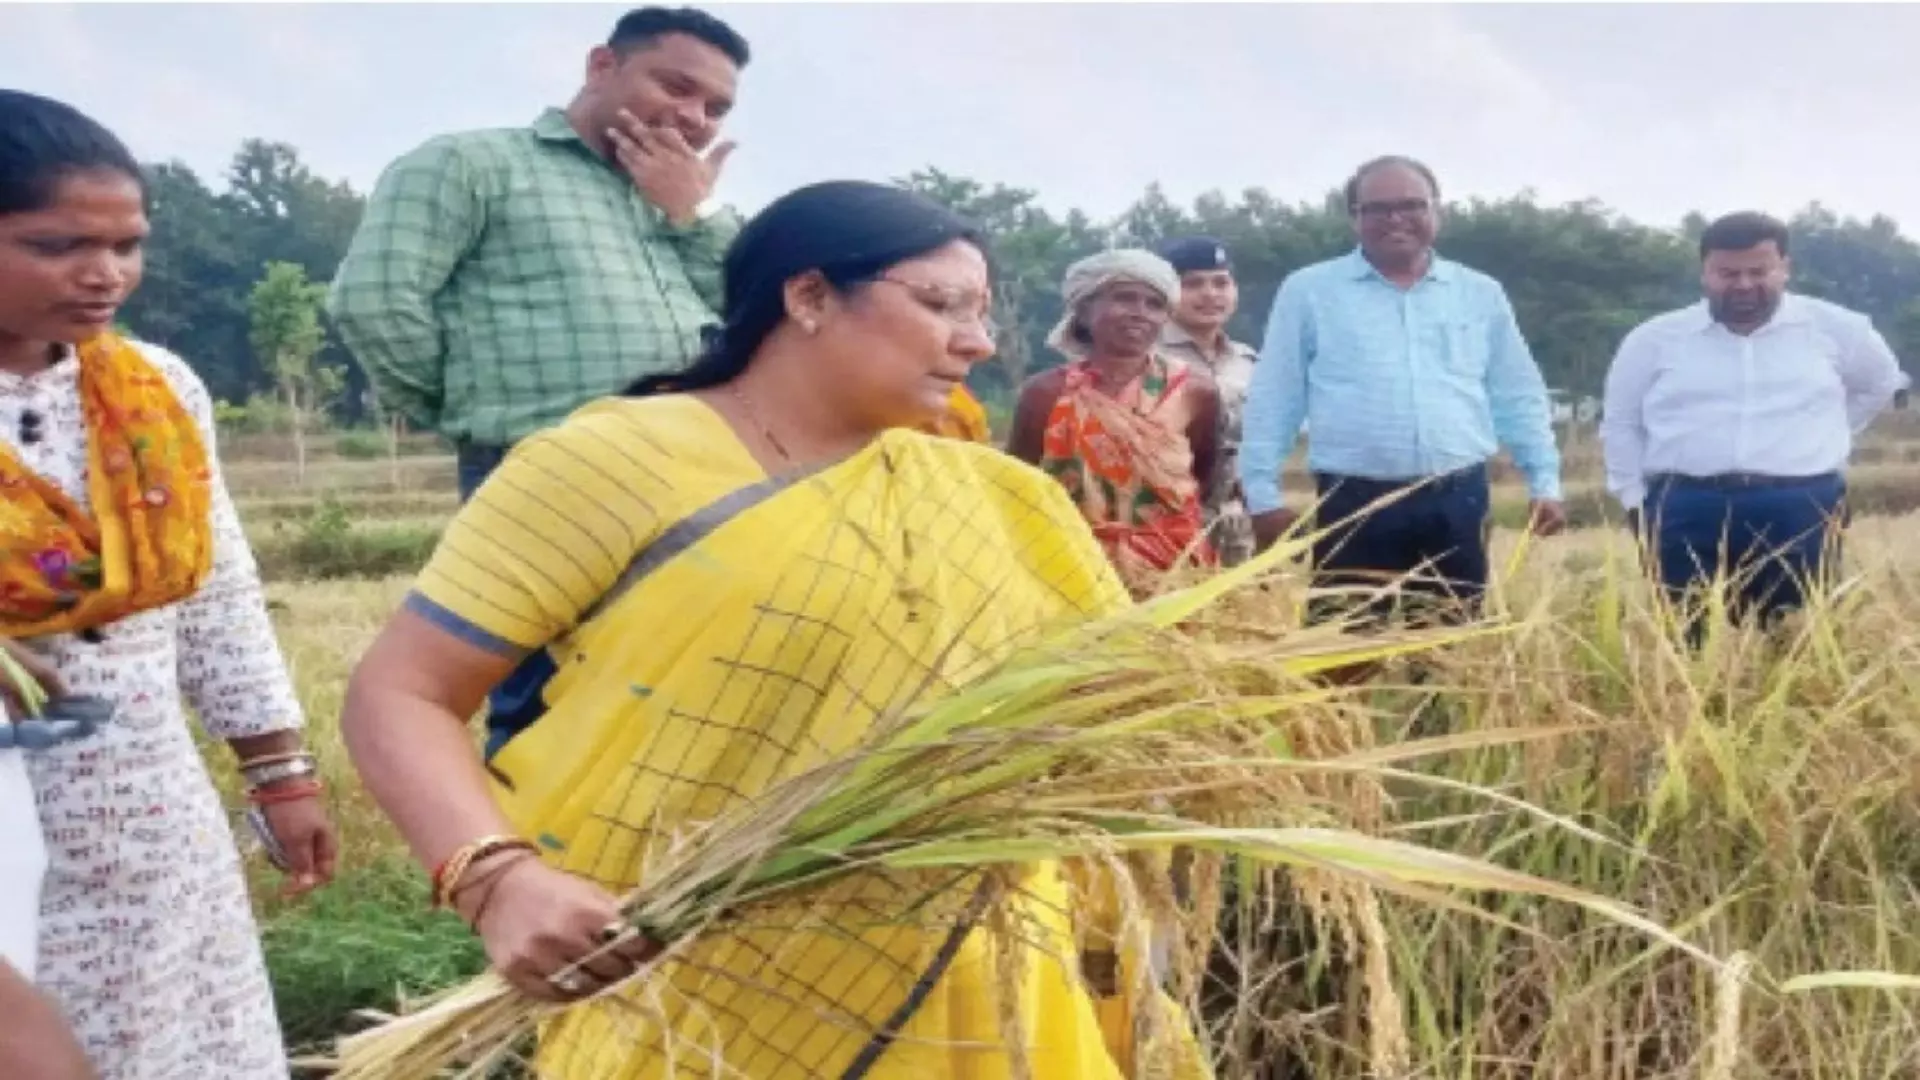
x: 1151, y: 731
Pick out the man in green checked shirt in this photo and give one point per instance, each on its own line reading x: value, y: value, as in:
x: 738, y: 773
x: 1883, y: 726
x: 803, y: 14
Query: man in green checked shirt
x: 501, y: 279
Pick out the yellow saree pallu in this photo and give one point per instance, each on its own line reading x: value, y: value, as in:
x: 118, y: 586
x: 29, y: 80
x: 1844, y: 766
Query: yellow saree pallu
x: 761, y: 629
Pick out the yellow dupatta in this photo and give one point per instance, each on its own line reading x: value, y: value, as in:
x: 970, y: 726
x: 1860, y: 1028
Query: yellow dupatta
x: 147, y: 539
x: 762, y: 630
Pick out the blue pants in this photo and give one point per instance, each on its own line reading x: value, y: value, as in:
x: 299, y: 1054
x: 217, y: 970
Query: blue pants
x: 519, y: 699
x: 1438, y: 532
x: 1773, y: 540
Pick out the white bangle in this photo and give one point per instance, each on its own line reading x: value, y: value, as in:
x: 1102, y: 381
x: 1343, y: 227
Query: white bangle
x: 261, y: 775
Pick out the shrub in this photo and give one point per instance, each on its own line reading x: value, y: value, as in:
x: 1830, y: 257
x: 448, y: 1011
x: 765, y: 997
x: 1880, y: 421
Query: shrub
x: 261, y: 414
x: 360, y: 445
x: 328, y: 544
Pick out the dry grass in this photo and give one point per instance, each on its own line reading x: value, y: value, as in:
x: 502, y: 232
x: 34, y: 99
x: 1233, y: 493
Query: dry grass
x: 323, y: 629
x: 1766, y: 790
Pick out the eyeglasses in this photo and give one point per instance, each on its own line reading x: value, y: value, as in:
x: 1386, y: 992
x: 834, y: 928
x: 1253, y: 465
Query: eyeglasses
x: 1379, y: 211
x: 964, y: 308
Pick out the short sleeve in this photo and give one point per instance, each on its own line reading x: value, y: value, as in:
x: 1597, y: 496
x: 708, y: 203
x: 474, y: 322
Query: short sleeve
x: 547, y: 535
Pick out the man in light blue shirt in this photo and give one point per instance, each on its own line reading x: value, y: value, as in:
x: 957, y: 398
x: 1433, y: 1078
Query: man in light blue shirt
x: 1728, y: 423
x: 1407, y: 369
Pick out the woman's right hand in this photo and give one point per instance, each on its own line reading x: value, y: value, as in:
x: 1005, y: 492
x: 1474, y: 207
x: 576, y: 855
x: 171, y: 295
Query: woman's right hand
x: 538, y: 922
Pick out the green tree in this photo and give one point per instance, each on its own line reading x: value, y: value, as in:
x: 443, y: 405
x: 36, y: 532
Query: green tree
x: 1580, y: 275
x: 284, y: 211
x: 208, y: 247
x: 194, y: 296
x: 287, y: 338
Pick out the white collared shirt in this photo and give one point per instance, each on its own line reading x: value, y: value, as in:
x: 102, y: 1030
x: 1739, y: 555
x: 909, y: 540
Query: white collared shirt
x: 1686, y: 395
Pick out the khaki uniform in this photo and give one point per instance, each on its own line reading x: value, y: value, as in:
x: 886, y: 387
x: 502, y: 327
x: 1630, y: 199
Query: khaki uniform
x: 1232, y: 370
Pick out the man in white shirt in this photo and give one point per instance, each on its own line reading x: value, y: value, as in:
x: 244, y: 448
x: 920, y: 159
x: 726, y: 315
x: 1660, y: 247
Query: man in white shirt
x: 1728, y: 423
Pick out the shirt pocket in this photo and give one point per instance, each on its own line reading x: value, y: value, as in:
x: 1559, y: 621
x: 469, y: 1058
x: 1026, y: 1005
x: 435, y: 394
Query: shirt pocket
x: 1456, y: 345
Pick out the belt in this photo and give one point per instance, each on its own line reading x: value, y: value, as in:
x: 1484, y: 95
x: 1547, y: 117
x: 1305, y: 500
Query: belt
x: 1738, y: 481
x: 1471, y: 475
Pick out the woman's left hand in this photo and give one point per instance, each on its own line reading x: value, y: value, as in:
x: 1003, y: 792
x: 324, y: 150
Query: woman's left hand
x: 306, y: 835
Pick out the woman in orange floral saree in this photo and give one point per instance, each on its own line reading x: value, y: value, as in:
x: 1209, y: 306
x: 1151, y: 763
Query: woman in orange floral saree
x: 1129, y: 432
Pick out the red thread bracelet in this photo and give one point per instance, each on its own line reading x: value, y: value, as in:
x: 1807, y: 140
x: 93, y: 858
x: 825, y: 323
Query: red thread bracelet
x: 290, y: 793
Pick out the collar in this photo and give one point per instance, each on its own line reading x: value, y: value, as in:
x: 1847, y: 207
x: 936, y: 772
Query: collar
x: 1440, y: 271
x: 1793, y: 311
x: 554, y: 127
x: 1176, y: 336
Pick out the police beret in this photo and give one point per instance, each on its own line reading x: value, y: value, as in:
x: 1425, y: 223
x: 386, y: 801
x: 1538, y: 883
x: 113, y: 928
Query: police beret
x: 1190, y: 253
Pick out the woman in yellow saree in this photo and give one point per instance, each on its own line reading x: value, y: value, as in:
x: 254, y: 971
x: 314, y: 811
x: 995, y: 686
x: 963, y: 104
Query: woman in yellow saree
x: 738, y: 573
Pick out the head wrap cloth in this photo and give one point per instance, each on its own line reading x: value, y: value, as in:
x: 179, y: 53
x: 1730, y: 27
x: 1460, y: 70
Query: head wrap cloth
x: 1095, y: 272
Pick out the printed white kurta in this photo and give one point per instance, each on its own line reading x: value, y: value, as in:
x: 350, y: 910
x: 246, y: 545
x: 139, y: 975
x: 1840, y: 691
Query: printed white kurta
x: 147, y: 939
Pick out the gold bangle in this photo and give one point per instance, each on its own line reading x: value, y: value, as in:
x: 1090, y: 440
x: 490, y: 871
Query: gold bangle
x: 487, y: 880
x: 447, y: 877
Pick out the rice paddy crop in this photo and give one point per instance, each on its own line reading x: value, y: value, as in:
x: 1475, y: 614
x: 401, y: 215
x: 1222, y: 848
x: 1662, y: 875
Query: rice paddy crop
x: 1758, y: 798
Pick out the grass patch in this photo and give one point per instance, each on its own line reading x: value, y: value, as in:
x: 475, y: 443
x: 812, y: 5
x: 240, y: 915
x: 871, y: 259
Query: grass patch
x: 372, y: 507
x: 327, y: 543
x: 367, y: 942
x: 361, y: 445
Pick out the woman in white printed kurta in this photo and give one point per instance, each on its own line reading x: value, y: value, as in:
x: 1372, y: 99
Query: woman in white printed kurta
x: 146, y: 938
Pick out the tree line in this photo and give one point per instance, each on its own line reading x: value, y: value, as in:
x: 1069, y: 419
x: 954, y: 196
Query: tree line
x: 227, y: 270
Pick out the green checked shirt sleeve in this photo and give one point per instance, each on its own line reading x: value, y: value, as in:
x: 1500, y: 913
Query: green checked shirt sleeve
x: 502, y: 279
x: 703, y: 248
x: 423, y: 217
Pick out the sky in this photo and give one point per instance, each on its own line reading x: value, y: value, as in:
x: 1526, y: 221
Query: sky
x: 1655, y: 110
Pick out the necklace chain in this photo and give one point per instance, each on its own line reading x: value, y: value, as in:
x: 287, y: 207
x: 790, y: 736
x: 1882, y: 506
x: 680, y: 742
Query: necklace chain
x: 753, y: 414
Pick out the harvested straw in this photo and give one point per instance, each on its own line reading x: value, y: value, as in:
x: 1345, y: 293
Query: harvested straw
x: 1127, y: 737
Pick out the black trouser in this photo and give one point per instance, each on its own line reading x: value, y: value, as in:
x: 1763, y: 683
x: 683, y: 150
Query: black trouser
x: 1431, y: 540
x: 1773, y: 537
